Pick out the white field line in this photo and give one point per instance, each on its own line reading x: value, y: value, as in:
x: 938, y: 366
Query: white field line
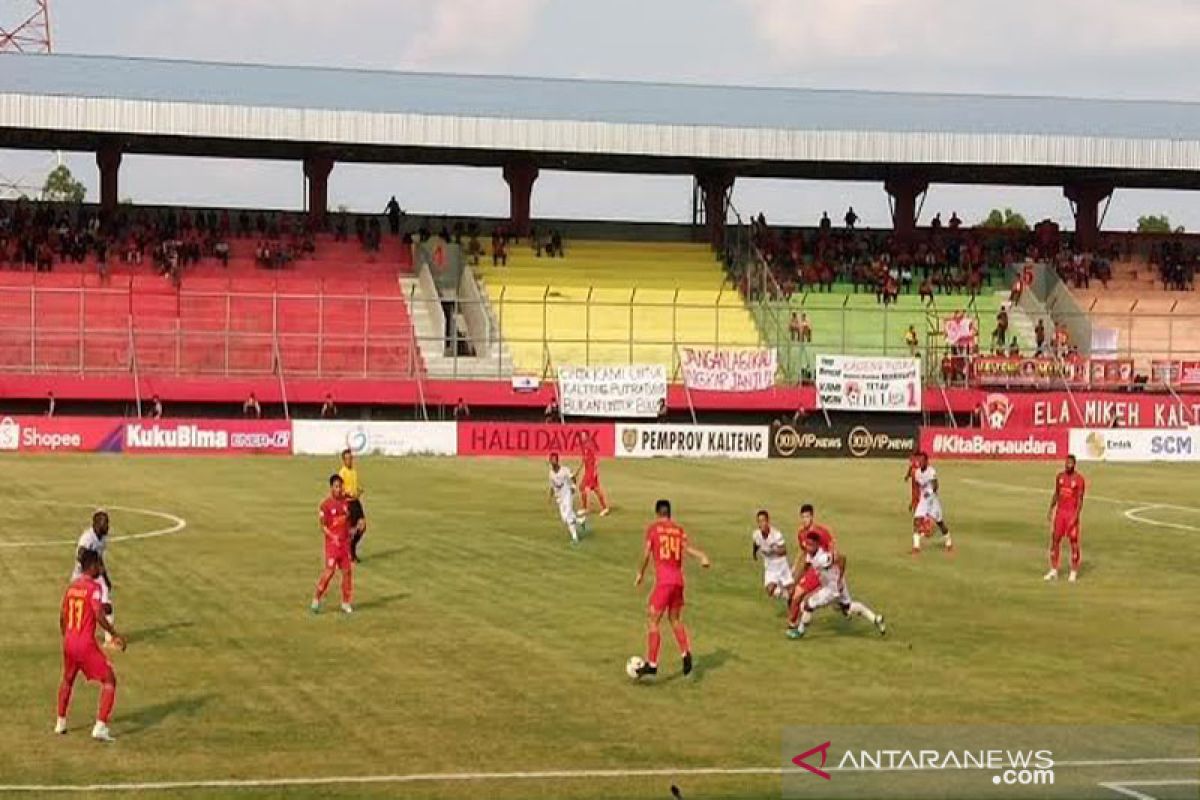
x: 1123, y: 787
x: 462, y: 777
x: 177, y: 524
x: 1134, y: 508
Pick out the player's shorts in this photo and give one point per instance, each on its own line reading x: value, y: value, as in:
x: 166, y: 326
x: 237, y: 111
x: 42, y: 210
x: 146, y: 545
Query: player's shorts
x: 1065, y: 526
x: 338, y: 557
x: 354, y: 512
x: 666, y: 597
x: 91, y: 661
x: 810, y: 581
x: 826, y: 595
x: 566, y: 508
x: 929, y: 507
x: 778, y: 572
x: 589, y: 483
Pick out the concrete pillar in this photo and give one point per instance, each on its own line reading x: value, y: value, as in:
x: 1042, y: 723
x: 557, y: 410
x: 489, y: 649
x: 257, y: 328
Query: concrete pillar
x: 1086, y: 199
x: 520, y: 175
x: 715, y: 186
x: 316, y: 170
x: 904, y: 192
x: 108, y: 159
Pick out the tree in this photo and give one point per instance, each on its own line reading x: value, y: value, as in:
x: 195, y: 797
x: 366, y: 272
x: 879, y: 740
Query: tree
x: 1007, y: 218
x: 1156, y: 223
x: 62, y: 187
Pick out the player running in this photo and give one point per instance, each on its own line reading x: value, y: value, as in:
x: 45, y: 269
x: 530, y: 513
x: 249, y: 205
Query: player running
x: 591, y: 479
x: 95, y: 539
x: 562, y: 492
x: 666, y: 543
x: 910, y: 475
x: 804, y: 576
x: 334, y: 514
x: 1066, y: 506
x: 353, y: 489
x: 928, y: 512
x: 833, y: 589
x: 82, y: 611
x: 777, y: 572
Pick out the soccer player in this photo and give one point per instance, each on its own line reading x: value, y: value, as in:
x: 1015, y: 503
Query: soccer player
x: 910, y: 475
x: 591, y: 479
x: 334, y: 514
x: 806, y: 580
x: 667, y: 544
x: 353, y: 489
x: 95, y: 539
x: 928, y: 512
x: 1065, y: 508
x: 562, y: 492
x: 777, y: 572
x: 81, y: 612
x: 833, y: 588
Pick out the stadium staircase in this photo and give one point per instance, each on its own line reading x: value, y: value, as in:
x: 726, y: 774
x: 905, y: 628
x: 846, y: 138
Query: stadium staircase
x: 614, y: 302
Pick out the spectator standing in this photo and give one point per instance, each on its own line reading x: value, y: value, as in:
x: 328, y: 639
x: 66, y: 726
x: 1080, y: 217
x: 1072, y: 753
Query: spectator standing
x: 394, y: 212
x: 50, y: 404
x: 461, y: 409
x: 329, y: 408
x: 1039, y: 338
x: 851, y: 218
x: 805, y: 329
x: 794, y: 327
x: 911, y: 340
x: 156, y: 407
x: 551, y: 414
x: 251, y: 408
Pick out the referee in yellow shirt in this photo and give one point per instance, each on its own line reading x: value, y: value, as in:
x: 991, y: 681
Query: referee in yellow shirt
x: 354, y: 491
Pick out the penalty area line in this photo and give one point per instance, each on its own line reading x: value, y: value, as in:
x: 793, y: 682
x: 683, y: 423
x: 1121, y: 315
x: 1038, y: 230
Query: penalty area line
x: 1132, y: 512
x: 1124, y: 787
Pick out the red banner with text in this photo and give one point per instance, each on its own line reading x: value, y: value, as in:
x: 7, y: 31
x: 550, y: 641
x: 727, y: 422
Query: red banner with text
x: 1049, y: 373
x: 1005, y: 411
x: 1006, y: 445
x: 533, y: 439
x: 60, y: 434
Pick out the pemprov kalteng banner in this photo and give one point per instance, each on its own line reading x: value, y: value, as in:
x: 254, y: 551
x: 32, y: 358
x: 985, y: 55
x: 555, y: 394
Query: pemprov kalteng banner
x: 634, y: 390
x: 863, y: 383
x: 742, y: 370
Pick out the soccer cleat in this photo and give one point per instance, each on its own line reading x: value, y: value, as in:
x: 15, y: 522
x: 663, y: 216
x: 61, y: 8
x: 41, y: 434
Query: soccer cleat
x: 60, y: 725
x: 347, y: 608
x: 795, y: 633
x: 646, y: 669
x: 916, y: 551
x: 315, y: 606
x: 687, y: 663
x: 1072, y: 576
x: 880, y: 625
x: 604, y: 512
x: 1052, y: 575
x: 101, y: 733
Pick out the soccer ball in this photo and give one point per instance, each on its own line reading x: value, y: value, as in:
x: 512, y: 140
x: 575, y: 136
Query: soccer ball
x: 633, y: 665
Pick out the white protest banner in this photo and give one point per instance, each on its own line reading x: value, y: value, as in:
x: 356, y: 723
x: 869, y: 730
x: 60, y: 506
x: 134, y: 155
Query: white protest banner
x: 866, y: 383
x: 634, y: 390
x: 742, y: 370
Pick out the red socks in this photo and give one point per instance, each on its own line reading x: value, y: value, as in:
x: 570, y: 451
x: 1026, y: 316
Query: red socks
x: 108, y: 696
x: 681, y: 638
x: 64, y: 696
x: 653, y: 643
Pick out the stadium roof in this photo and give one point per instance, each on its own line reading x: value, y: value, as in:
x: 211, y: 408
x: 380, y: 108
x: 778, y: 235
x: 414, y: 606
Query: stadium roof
x: 185, y: 107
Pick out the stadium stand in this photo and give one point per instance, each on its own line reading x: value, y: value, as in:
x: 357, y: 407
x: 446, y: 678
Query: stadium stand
x: 611, y: 302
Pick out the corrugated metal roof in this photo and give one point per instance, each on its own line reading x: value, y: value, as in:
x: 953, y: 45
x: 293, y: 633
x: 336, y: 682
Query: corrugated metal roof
x: 543, y: 99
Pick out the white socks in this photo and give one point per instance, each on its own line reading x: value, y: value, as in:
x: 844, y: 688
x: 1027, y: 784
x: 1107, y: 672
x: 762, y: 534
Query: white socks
x: 916, y: 541
x: 858, y: 609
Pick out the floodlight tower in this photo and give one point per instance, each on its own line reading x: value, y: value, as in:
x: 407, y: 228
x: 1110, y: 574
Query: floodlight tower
x: 25, y: 26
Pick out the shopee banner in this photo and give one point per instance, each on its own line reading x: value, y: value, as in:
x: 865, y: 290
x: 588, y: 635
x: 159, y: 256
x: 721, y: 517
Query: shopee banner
x: 1006, y: 445
x: 532, y: 439
x: 61, y: 434
x: 1006, y: 411
x: 208, y: 436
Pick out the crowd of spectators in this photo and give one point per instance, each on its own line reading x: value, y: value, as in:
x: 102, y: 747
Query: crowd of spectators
x: 1176, y: 264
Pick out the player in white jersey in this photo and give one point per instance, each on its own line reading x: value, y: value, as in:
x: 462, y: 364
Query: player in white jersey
x: 928, y: 512
x: 562, y: 492
x: 95, y: 539
x: 833, y: 589
x: 769, y: 542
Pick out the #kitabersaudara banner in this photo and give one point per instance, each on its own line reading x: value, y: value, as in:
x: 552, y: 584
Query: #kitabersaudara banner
x: 865, y: 383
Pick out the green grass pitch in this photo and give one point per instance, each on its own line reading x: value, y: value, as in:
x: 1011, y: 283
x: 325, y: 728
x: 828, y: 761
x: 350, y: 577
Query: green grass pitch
x: 483, y: 642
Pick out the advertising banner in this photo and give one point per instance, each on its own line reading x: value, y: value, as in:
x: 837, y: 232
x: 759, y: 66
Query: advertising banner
x: 532, y: 439
x: 1134, y: 444
x: 858, y: 383
x: 692, y: 441
x: 1167, y: 372
x: 371, y: 438
x: 1003, y: 411
x: 208, y: 436
x: 891, y: 439
x: 1049, y: 373
x: 60, y: 434
x: 741, y: 370
x: 635, y: 390
x: 1007, y: 445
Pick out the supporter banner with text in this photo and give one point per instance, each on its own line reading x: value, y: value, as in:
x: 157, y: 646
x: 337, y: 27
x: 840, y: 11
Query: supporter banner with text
x: 1134, y: 444
x: 1175, y: 372
x: 634, y: 390
x: 1006, y: 445
x: 532, y: 439
x: 1003, y: 411
x: 208, y: 436
x: 691, y: 441
x: 1050, y: 373
x: 329, y: 437
x: 860, y: 383
x: 891, y: 438
x: 61, y: 434
x: 741, y: 370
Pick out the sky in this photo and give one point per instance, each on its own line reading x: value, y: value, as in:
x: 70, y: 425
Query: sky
x: 1113, y: 49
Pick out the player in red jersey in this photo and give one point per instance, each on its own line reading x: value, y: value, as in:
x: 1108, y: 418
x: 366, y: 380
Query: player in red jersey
x: 666, y: 543
x: 590, y: 483
x: 82, y: 611
x: 335, y: 524
x: 807, y: 578
x: 910, y: 475
x: 1065, y: 507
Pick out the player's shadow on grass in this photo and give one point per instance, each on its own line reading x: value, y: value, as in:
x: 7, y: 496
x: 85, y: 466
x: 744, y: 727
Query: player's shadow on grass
x: 156, y: 633
x: 143, y: 719
x: 380, y: 602
x: 705, y: 663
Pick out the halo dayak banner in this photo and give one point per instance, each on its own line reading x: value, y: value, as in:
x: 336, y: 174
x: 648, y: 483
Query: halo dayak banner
x: 534, y: 439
